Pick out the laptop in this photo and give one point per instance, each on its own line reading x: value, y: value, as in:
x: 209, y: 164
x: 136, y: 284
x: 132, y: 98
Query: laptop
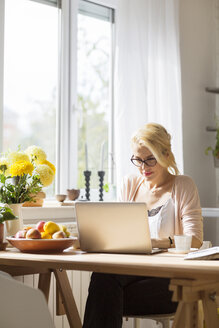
x: 113, y: 227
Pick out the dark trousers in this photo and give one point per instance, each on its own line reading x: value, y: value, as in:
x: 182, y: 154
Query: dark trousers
x: 113, y: 296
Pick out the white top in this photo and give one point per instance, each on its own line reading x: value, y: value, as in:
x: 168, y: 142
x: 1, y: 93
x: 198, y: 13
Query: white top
x: 188, y: 215
x: 162, y: 224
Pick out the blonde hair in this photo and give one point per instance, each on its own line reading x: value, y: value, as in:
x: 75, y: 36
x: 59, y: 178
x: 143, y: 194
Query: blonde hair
x: 156, y: 138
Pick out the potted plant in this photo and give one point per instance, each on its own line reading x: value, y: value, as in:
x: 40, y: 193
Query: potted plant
x: 215, y: 150
x: 5, y: 215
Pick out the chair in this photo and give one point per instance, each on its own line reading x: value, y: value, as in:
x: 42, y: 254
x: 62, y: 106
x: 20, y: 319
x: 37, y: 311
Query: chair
x: 164, y: 319
x: 22, y: 306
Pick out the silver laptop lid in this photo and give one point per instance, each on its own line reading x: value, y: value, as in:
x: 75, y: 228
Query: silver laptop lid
x: 113, y: 227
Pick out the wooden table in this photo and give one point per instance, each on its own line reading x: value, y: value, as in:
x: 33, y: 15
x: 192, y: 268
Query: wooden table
x: 191, y: 281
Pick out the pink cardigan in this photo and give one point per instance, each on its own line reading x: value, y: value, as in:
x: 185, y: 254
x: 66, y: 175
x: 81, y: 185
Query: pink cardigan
x: 188, y: 215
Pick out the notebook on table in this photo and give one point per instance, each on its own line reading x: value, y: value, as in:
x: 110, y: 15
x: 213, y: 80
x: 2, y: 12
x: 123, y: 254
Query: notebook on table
x: 211, y: 253
x: 113, y: 227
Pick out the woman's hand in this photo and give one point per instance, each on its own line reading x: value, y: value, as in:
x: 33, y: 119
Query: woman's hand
x: 161, y: 243
x: 196, y: 242
x: 166, y: 243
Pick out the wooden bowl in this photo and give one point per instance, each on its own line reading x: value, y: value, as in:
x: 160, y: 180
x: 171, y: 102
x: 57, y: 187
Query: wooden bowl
x: 73, y: 194
x: 60, y: 197
x: 42, y: 245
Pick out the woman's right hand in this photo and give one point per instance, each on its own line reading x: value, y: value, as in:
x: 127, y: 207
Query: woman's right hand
x: 161, y: 243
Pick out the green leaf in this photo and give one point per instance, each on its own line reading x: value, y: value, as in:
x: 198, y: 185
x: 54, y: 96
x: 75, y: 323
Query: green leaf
x: 106, y: 187
x: 207, y: 150
x: 3, y: 167
x: 2, y: 178
x: 6, y: 214
x: 10, y: 188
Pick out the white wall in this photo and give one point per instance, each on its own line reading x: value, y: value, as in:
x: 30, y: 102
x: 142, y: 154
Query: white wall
x: 198, y: 65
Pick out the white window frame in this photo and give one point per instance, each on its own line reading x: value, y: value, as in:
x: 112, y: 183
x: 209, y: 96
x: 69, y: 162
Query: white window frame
x: 67, y: 150
x: 66, y: 158
x: 67, y: 112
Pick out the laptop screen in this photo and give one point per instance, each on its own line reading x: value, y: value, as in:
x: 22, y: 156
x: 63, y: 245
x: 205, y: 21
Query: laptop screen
x: 113, y: 227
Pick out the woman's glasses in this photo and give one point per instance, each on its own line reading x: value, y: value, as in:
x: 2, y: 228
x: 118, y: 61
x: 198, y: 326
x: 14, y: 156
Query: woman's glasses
x: 148, y: 162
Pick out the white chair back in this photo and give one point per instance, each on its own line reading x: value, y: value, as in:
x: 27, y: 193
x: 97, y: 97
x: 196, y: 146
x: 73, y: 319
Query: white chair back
x: 22, y: 306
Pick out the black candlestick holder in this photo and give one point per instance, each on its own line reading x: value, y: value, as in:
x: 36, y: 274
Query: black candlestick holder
x: 87, y: 175
x: 101, y: 177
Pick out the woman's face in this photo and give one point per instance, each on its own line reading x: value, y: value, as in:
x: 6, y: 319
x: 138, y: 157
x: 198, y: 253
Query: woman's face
x: 150, y: 173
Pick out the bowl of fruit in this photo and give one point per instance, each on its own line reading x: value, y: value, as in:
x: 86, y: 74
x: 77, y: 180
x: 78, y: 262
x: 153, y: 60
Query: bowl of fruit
x: 45, y: 237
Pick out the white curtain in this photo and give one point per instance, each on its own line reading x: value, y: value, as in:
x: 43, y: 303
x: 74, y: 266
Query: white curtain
x: 147, y: 75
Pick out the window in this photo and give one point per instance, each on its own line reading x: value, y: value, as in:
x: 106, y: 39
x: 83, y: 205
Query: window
x: 30, y: 77
x: 95, y: 47
x: 57, y: 85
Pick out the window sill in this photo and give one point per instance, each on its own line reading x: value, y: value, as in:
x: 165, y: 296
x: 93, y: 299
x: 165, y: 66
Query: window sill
x: 51, y: 210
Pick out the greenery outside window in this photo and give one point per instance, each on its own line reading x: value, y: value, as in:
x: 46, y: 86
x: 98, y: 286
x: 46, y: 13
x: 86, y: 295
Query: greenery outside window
x: 95, y: 49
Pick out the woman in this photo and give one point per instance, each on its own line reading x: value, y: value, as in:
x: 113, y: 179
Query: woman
x: 173, y: 208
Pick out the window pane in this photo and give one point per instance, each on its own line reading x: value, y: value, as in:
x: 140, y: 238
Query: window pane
x: 94, y: 55
x: 30, y: 77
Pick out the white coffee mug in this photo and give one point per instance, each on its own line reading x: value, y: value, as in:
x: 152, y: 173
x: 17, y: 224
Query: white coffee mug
x: 183, y: 242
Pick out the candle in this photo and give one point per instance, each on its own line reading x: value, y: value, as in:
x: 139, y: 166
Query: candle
x: 86, y: 157
x: 102, y: 156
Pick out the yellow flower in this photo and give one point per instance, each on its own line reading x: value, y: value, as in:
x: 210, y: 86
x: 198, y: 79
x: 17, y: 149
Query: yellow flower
x: 21, y: 167
x: 4, y: 166
x: 16, y: 156
x: 50, y: 165
x: 36, y: 154
x: 45, y: 173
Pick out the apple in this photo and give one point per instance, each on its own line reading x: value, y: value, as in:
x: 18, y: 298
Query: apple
x: 33, y: 234
x: 21, y: 234
x: 58, y: 235
x: 40, y: 226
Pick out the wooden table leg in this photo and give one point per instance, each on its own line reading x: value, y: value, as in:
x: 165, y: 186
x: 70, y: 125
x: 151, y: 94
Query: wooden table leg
x: 189, y: 293
x: 44, y: 283
x: 191, y: 312
x: 60, y: 310
x: 68, y: 299
x: 179, y: 318
x: 186, y: 315
x: 210, y: 309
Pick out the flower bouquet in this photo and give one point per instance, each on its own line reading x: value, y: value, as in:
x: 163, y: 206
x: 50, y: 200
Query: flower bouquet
x: 23, y: 174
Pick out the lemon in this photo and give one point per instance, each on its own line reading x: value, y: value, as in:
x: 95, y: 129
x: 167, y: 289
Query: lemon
x: 51, y: 227
x: 45, y: 235
x: 64, y: 229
